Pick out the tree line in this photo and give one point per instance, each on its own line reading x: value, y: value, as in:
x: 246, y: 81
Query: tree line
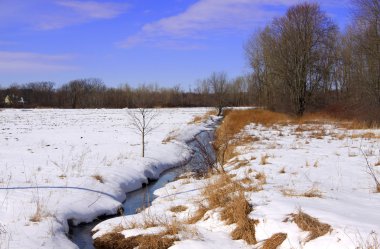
x: 217, y: 90
x: 301, y: 62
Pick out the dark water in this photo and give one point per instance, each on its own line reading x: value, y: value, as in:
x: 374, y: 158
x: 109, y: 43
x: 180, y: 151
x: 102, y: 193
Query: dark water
x: 81, y: 235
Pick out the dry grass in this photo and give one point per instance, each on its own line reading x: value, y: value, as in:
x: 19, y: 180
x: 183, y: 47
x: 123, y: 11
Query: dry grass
x: 228, y: 195
x: 37, y: 216
x: 372, y: 242
x: 40, y: 213
x: 282, y: 170
x: 233, y: 123
x: 203, y: 118
x: 311, y: 193
x: 246, y: 180
x: 98, y: 177
x: 199, y: 214
x: 358, y: 125
x: 310, y: 224
x: 261, y: 177
x: 168, y: 139
x: 366, y: 135
x: 236, y: 212
x: 178, y: 209
x: 241, y: 163
x: 118, y: 241
x: 162, y: 240
x: 274, y: 241
x: 264, y: 159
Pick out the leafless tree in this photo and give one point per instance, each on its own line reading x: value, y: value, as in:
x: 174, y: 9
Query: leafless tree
x: 141, y: 121
x: 219, y: 86
x: 293, y: 56
x: 366, y: 32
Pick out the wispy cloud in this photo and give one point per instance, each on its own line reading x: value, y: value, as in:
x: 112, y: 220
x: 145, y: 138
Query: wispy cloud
x: 77, y: 12
x: 206, y: 16
x: 56, y: 14
x: 33, y: 62
x: 92, y: 9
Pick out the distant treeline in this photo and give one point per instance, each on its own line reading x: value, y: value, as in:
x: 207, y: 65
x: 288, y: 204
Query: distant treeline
x: 93, y: 93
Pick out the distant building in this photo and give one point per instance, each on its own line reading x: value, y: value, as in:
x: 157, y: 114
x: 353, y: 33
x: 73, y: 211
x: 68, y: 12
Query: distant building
x: 8, y: 100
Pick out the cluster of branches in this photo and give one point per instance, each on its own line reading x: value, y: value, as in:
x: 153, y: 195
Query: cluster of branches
x: 217, y: 90
x: 302, y: 62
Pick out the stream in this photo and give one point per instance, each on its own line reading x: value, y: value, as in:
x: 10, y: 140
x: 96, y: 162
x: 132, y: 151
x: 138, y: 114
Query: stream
x: 81, y: 235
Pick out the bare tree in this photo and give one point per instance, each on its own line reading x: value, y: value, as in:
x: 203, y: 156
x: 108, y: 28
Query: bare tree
x: 297, y: 53
x: 141, y: 121
x: 367, y: 42
x: 219, y: 86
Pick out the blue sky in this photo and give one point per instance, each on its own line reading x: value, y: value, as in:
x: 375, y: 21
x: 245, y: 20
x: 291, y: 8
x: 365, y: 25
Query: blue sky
x: 168, y: 42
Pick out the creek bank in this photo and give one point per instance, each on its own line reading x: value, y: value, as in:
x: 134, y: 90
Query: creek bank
x: 81, y: 235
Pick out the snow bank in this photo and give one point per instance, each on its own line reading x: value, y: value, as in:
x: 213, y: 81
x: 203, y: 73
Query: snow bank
x: 60, y: 165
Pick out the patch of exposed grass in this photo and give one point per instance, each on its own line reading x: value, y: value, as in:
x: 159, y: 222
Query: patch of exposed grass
x: 371, y: 242
x: 228, y: 195
x: 98, y: 177
x: 199, y: 214
x: 203, y: 118
x: 178, y: 209
x: 310, y: 224
x: 261, y: 177
x: 311, y: 193
x: 264, y: 159
x: 118, y: 241
x: 274, y: 241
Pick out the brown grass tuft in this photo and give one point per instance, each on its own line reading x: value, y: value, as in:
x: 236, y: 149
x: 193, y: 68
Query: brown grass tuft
x: 310, y: 224
x: 118, y: 241
x: 199, y: 214
x: 203, y: 118
x: 98, y: 177
x: 261, y: 177
x: 236, y: 212
x: 371, y: 242
x: 311, y: 193
x: 178, y: 209
x: 264, y: 159
x: 228, y: 195
x: 274, y: 241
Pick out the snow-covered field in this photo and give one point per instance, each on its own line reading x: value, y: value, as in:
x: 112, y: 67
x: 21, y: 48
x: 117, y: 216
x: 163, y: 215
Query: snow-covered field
x: 319, y: 169
x: 60, y: 165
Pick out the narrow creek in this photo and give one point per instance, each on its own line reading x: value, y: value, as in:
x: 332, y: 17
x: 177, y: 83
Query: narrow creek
x: 81, y: 235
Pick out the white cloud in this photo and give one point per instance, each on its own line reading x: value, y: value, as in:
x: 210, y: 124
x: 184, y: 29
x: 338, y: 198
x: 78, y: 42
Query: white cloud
x: 93, y: 9
x: 76, y: 12
x: 205, y: 16
x: 55, y: 14
x: 33, y: 62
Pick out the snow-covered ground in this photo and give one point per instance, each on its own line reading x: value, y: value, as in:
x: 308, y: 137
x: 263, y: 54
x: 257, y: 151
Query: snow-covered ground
x: 60, y: 165
x: 319, y: 169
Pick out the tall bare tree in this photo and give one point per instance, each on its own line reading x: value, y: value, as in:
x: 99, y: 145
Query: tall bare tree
x: 295, y: 54
x: 367, y: 41
x: 218, y: 83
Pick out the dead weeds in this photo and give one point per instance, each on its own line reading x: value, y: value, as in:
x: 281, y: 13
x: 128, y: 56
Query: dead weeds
x: 178, y: 209
x: 309, y: 224
x: 118, y: 241
x: 274, y: 241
